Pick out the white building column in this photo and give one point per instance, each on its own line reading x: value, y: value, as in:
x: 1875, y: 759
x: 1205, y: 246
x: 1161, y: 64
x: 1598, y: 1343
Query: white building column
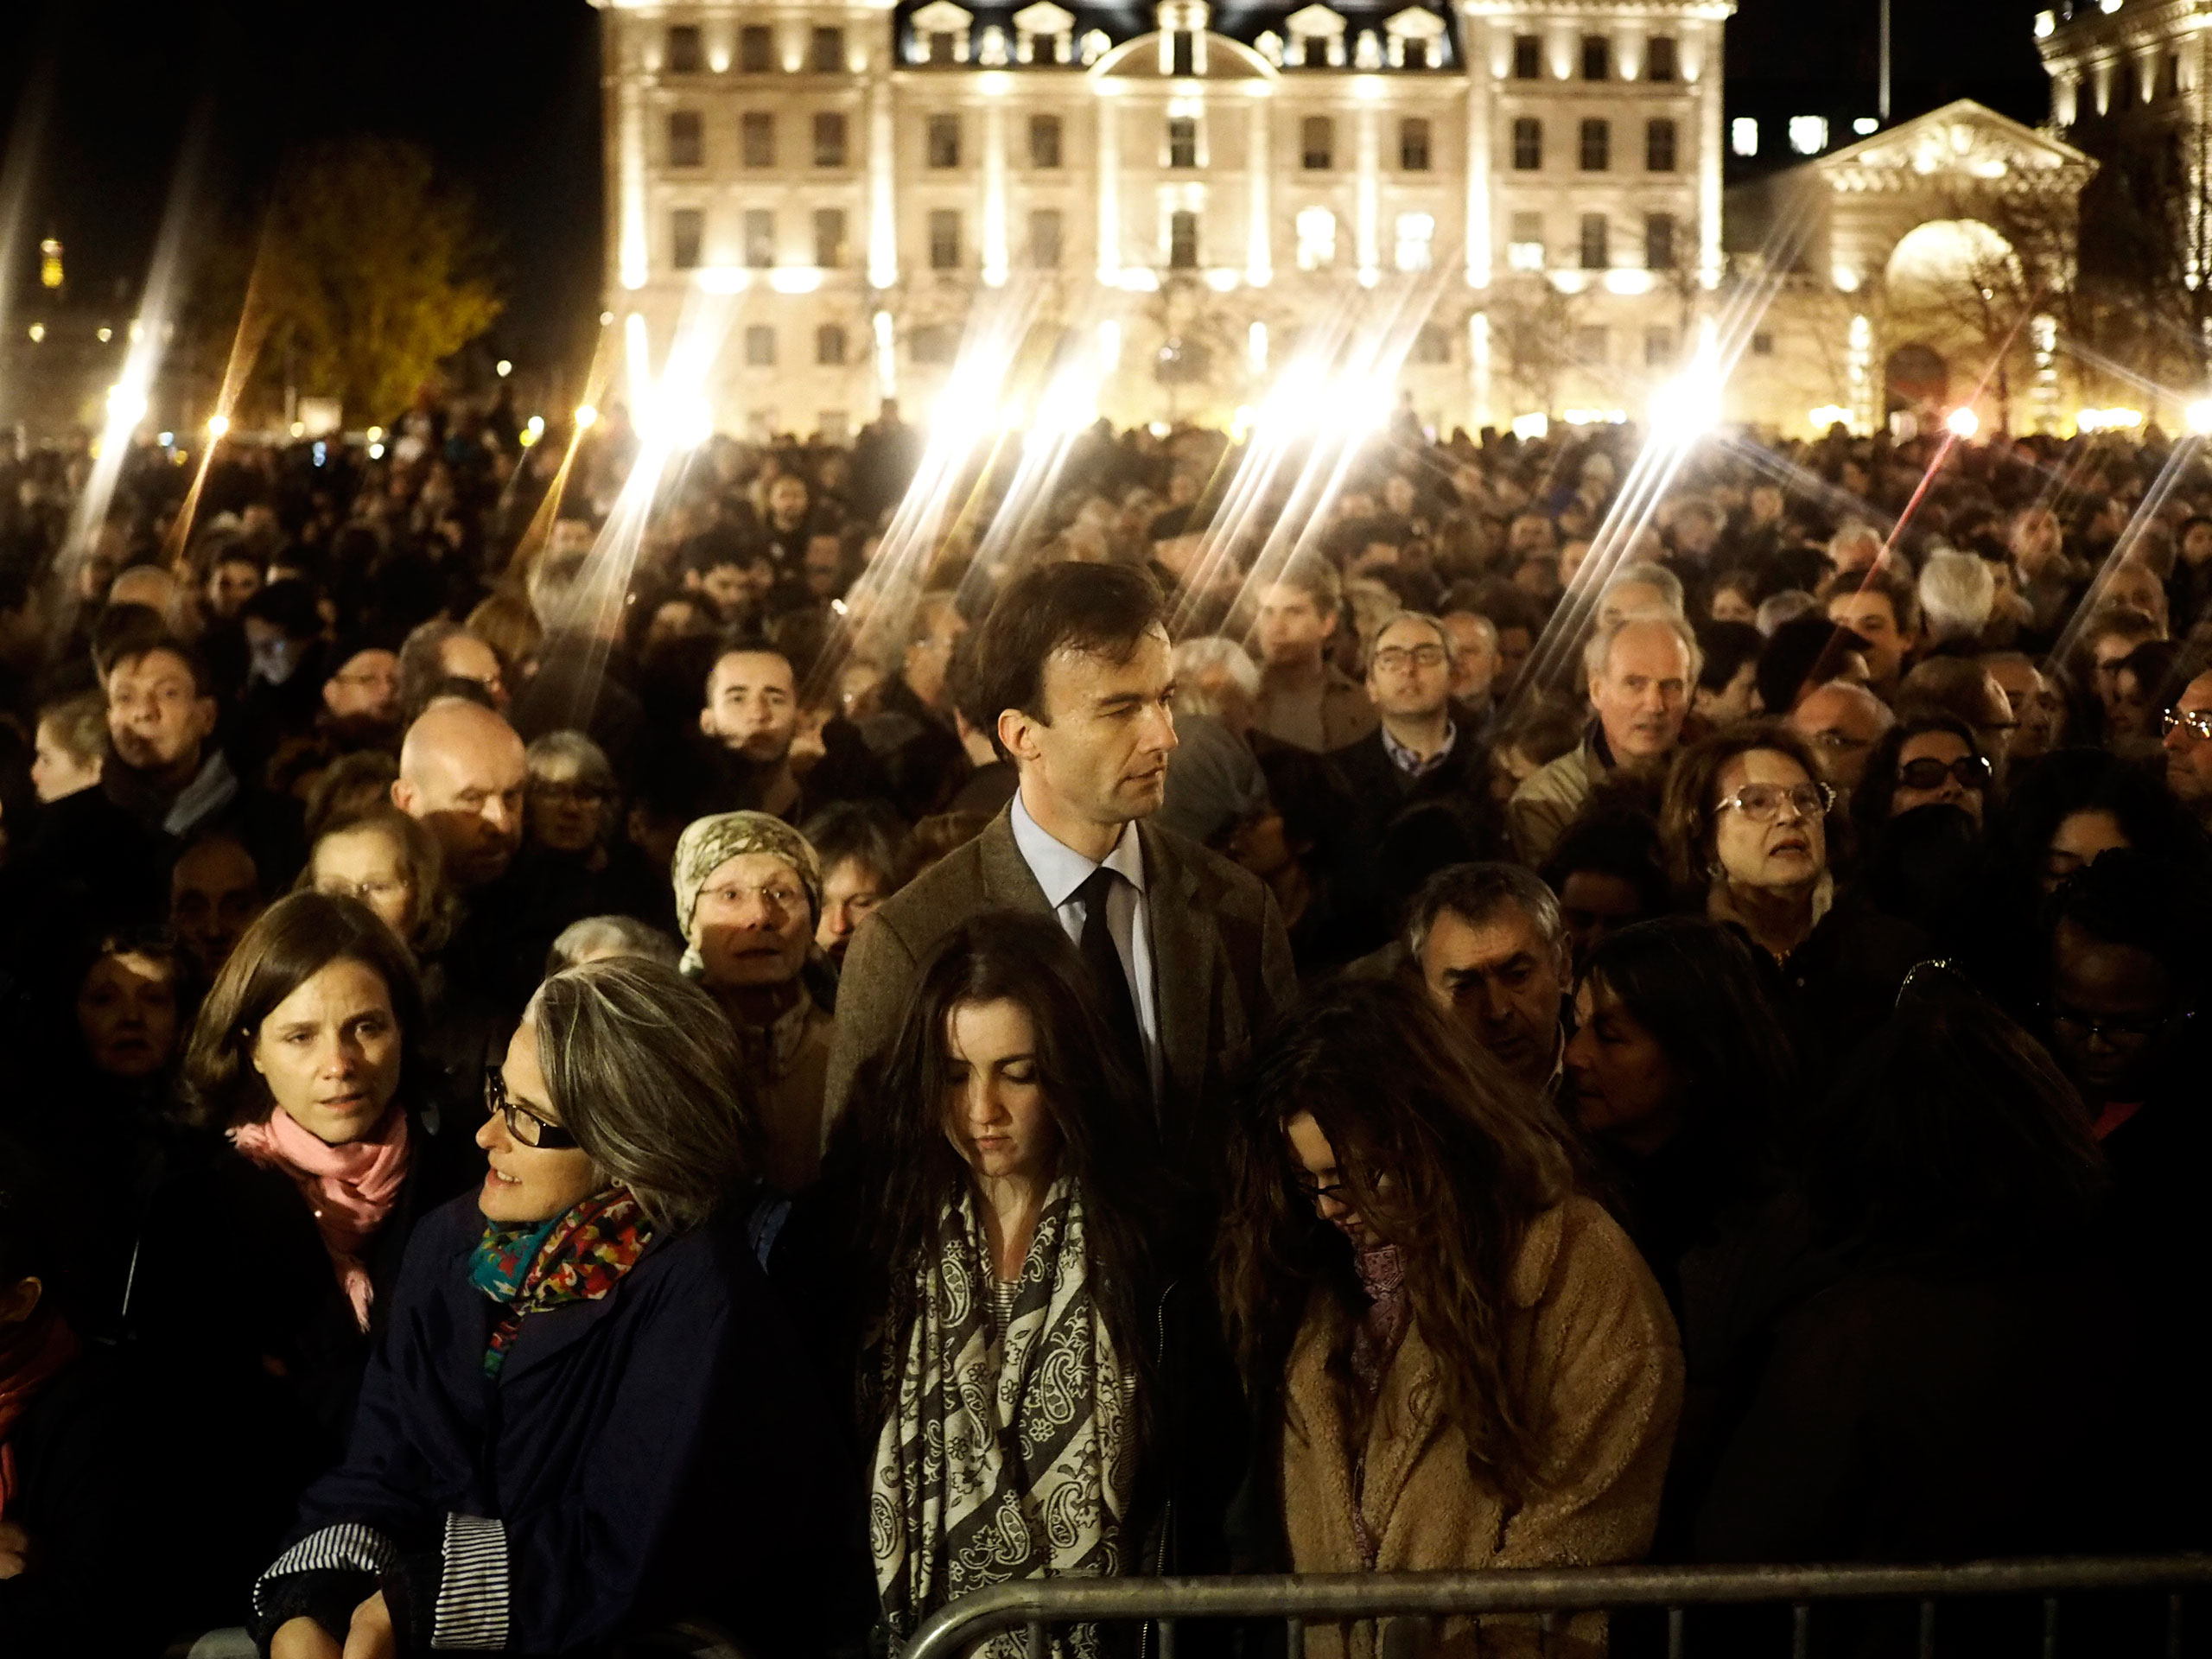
x: 994, y: 239
x: 1109, y: 187
x: 1482, y: 95
x: 1703, y: 66
x: 633, y: 240
x: 1368, y: 183
x: 1259, y: 168
x: 882, y: 184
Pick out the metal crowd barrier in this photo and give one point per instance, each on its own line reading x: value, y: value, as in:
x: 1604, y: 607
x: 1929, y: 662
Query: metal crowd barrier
x: 1037, y: 1605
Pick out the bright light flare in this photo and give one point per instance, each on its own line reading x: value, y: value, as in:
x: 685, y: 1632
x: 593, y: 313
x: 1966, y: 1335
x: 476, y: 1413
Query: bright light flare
x: 1687, y: 406
x: 503, y: 368
x: 1962, y: 423
x: 2199, y: 416
x: 587, y: 416
x: 126, y: 407
x: 217, y: 425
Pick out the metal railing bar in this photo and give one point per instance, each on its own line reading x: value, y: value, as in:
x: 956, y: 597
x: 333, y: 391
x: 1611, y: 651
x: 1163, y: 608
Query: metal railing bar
x: 1800, y: 1629
x: 2173, y: 1626
x: 2050, y: 1627
x: 1167, y: 1638
x: 947, y: 1632
x: 1675, y: 1633
x: 1036, y: 1638
x: 1927, y: 1628
x: 1295, y: 1638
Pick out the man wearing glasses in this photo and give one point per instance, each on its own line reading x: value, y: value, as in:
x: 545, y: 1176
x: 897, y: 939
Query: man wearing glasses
x: 2188, y: 747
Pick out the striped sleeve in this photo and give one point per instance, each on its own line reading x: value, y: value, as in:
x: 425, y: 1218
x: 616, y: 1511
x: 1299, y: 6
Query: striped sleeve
x: 348, y: 1547
x: 471, y: 1607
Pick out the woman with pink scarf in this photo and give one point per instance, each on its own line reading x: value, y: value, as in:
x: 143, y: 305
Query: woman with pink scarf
x: 261, y: 1282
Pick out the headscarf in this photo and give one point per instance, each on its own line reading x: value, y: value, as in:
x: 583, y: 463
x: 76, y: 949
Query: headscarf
x: 708, y: 843
x: 351, y: 1189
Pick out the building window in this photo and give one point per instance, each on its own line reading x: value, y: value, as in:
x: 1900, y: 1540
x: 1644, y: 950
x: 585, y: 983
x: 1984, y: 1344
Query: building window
x: 1597, y: 58
x: 1597, y: 145
x: 1431, y: 344
x: 1412, y: 145
x: 1182, y: 241
x: 945, y: 140
x: 828, y: 237
x: 1182, y: 141
x: 687, y: 142
x: 1809, y: 134
x: 1659, y: 58
x: 1416, y: 52
x: 944, y: 238
x: 687, y: 232
x: 944, y: 47
x: 1045, y: 141
x: 684, y: 57
x: 1597, y: 243
x: 1044, y: 238
x: 1762, y: 345
x: 1658, y: 348
x: 1659, y: 241
x: 829, y: 55
x: 757, y: 131
x: 930, y: 343
x: 1317, y: 143
x: 756, y: 49
x: 829, y: 138
x: 759, y: 237
x: 1524, y: 242
x: 1528, y: 58
x: 1590, y: 345
x: 759, y: 347
x: 1659, y: 146
x: 829, y: 345
x: 1743, y: 135
x: 1317, y: 238
x: 1416, y: 241
x: 1528, y: 144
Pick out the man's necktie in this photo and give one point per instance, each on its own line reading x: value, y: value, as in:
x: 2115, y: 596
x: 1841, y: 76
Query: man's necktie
x: 1105, y: 963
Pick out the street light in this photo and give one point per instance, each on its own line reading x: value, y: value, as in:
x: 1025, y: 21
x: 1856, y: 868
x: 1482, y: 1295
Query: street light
x: 217, y: 425
x: 2199, y: 416
x: 586, y: 415
x: 1962, y: 423
x: 504, y: 368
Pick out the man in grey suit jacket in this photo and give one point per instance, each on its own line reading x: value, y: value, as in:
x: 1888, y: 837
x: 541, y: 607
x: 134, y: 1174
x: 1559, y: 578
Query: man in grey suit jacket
x: 1074, y: 681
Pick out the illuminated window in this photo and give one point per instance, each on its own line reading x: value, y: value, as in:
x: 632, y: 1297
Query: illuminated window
x: 1743, y: 135
x: 1597, y: 242
x: 684, y: 57
x: 1182, y: 241
x: 945, y: 140
x: 759, y: 347
x: 756, y: 49
x: 1044, y: 238
x: 829, y: 238
x: 1416, y: 241
x: 829, y: 345
x: 1182, y: 141
x: 1597, y: 149
x: 1412, y: 145
x: 1524, y: 244
x: 687, y: 143
x: 1809, y: 134
x: 829, y: 52
x: 687, y: 233
x: 1317, y: 238
x: 1659, y: 146
x: 1528, y: 144
x: 1045, y: 141
x: 757, y: 129
x: 829, y: 138
x: 1528, y: 58
x: 1659, y: 58
x: 1317, y: 137
x: 759, y: 237
x: 944, y: 238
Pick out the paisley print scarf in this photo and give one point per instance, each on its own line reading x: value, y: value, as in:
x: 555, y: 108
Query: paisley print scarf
x: 1005, y: 1451
x: 576, y: 1257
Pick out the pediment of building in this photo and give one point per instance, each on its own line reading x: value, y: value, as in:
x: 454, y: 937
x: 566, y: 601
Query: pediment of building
x: 1961, y: 144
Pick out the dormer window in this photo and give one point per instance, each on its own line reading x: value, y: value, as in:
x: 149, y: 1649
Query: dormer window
x: 1183, y: 37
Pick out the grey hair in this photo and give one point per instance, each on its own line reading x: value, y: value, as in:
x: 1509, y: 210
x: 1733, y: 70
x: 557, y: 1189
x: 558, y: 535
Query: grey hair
x: 1599, y: 650
x: 586, y: 758
x: 1785, y: 606
x: 1210, y: 653
x: 1850, y: 530
x: 1475, y: 893
x: 1651, y: 575
x: 596, y: 938
x: 1956, y: 592
x: 643, y: 1068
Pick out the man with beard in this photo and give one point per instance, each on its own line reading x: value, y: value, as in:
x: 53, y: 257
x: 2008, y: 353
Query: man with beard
x: 361, y: 700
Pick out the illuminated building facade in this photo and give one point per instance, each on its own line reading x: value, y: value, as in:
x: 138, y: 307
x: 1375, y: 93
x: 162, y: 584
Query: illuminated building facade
x: 1507, y: 207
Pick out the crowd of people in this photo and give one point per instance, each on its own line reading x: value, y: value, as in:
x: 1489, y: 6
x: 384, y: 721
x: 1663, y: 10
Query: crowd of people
x: 1152, y: 1029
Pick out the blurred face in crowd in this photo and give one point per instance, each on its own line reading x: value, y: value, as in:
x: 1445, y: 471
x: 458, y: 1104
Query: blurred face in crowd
x: 1842, y: 723
x: 2110, y: 1015
x: 1100, y: 757
x: 1938, y: 782
x: 822, y: 564
x: 155, y: 716
x: 1593, y: 904
x: 214, y: 895
x: 2106, y: 652
x: 330, y: 1051
x: 995, y: 1113
x: 1869, y: 615
x: 1514, y: 644
x: 1732, y: 604
x: 1292, y: 628
x: 2039, y: 712
x: 753, y: 923
x: 1321, y: 1178
x: 2036, y: 540
x: 369, y: 864
x: 2134, y: 706
x: 126, y: 1011
x: 787, y: 501
x: 1409, y: 670
x: 1475, y: 657
x: 1732, y: 701
x: 1642, y: 691
x: 229, y: 584
x: 2195, y: 549
x: 1770, y: 832
x: 464, y: 656
x: 851, y: 890
x: 364, y: 688
x: 525, y: 1182
x: 728, y: 588
x: 929, y: 653
x: 2188, y: 745
x: 676, y: 618
x: 568, y: 811
x: 753, y: 706
x: 57, y: 772
x: 1502, y: 980
x: 2080, y: 838
x: 1620, y: 1086
x: 462, y: 774
x: 1531, y: 533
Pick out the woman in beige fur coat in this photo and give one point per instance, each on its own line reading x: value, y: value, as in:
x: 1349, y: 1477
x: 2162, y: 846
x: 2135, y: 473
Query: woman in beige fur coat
x: 1463, y: 1361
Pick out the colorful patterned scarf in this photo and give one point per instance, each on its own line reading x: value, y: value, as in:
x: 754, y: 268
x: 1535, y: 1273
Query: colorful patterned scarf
x: 576, y: 1257
x: 1005, y: 1454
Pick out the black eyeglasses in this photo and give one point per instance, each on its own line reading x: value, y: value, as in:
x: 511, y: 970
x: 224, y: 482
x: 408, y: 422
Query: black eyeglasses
x: 2120, y: 1034
x: 1313, y: 1192
x: 1973, y: 771
x: 525, y: 1125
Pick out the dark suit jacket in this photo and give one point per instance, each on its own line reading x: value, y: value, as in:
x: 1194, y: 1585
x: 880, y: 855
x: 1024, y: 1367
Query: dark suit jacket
x: 1220, y: 956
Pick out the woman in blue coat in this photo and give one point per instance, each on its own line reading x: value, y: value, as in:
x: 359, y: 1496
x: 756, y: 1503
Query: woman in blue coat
x: 587, y: 1416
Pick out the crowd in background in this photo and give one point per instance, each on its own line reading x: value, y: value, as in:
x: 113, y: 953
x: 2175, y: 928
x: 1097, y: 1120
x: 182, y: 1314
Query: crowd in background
x: 1509, y: 1019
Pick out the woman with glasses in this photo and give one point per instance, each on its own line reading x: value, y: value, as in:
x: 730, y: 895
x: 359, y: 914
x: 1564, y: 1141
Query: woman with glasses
x: 1041, y: 1378
x: 263, y: 1280
x: 587, y: 1416
x: 393, y: 865
x: 748, y: 893
x: 1747, y: 824
x: 1930, y: 761
x: 1458, y: 1359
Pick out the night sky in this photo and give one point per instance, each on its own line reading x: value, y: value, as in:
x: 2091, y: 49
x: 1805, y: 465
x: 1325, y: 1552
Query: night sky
x: 505, y: 94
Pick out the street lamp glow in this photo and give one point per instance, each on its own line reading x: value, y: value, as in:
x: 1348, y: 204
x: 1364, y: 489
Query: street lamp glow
x: 2199, y: 416
x: 503, y: 368
x: 126, y: 406
x: 217, y: 425
x: 586, y: 415
x: 1962, y: 423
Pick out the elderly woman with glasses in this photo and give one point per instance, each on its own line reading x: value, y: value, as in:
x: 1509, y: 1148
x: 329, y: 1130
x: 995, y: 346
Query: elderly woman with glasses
x: 748, y: 893
x: 587, y: 1416
x: 1746, y: 820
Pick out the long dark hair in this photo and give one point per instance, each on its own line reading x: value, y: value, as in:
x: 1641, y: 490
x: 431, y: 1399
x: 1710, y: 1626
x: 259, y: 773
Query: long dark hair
x: 1445, y: 1156
x: 1100, y: 1106
x: 1869, y: 802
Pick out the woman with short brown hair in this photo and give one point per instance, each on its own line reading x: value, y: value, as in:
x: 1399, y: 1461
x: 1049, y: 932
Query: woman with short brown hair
x: 1751, y: 832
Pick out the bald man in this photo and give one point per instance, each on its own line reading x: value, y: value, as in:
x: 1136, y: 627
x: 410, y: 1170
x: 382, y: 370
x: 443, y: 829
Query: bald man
x: 462, y: 775
x: 1842, y: 721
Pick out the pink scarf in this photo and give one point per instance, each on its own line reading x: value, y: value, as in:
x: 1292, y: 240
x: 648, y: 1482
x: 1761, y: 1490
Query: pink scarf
x: 351, y: 1188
